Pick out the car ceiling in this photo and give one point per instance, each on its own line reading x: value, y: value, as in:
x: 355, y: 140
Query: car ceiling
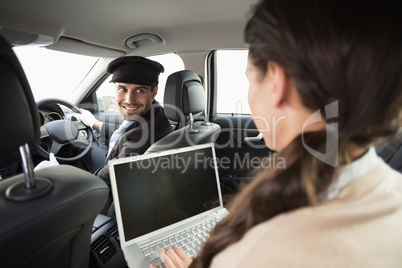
x: 101, y: 27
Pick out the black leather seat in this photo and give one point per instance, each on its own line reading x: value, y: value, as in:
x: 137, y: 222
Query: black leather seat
x: 184, y: 104
x: 391, y: 151
x: 46, y: 217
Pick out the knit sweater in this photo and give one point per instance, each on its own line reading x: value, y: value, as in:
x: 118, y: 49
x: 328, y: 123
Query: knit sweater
x: 362, y: 227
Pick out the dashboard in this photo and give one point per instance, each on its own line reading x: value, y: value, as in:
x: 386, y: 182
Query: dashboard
x: 48, y: 116
x: 53, y: 111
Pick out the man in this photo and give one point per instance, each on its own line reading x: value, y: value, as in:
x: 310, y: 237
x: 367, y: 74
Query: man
x: 136, y: 82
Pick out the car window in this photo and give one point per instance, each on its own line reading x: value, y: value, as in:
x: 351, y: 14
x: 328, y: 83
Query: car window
x: 231, y: 82
x: 106, y: 93
x: 53, y: 74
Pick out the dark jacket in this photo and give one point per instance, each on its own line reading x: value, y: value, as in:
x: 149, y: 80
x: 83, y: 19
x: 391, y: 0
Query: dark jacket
x: 137, y: 138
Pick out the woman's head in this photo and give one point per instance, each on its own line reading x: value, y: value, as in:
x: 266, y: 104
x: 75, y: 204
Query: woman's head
x: 345, y: 51
x: 341, y: 58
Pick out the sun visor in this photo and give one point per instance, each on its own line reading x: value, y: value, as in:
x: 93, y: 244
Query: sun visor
x: 79, y: 47
x: 21, y: 38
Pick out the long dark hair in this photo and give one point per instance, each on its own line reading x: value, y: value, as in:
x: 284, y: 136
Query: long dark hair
x: 347, y: 52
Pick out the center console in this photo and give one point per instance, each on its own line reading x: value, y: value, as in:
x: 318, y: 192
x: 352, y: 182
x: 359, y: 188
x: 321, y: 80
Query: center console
x: 105, y: 244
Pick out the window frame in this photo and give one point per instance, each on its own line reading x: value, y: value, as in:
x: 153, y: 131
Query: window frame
x: 212, y: 85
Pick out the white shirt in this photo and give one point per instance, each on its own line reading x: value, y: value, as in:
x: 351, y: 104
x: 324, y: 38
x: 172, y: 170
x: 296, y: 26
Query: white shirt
x: 352, y: 171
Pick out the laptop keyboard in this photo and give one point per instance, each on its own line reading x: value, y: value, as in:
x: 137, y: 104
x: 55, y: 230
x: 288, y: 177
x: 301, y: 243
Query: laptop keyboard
x: 190, y: 241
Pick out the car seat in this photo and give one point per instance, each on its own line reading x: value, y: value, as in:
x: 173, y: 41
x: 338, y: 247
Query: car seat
x: 46, y: 216
x: 184, y: 104
x: 390, y: 150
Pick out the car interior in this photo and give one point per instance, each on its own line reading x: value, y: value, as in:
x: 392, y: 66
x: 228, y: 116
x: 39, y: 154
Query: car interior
x: 51, y: 217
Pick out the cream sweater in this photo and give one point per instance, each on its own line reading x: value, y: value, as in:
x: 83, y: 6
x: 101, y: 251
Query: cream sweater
x: 362, y: 227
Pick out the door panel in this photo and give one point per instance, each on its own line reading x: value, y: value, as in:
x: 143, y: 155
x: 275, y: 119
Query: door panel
x: 238, y: 150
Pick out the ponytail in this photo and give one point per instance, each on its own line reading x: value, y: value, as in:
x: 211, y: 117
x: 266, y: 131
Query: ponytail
x: 272, y: 192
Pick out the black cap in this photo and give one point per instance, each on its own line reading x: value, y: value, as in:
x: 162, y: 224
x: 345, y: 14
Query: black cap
x: 135, y: 70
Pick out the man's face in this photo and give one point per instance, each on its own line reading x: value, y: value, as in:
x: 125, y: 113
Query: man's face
x: 134, y: 100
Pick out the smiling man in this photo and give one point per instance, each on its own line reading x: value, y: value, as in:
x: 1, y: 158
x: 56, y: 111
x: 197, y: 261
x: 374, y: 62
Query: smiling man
x: 136, y: 81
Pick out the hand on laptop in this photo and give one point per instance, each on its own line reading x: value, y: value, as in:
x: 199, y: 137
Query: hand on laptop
x: 174, y: 258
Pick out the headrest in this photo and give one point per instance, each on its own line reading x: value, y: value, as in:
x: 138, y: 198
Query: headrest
x: 184, y: 94
x: 20, y: 119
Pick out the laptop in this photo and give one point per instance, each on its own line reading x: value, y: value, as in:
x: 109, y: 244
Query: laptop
x: 164, y: 199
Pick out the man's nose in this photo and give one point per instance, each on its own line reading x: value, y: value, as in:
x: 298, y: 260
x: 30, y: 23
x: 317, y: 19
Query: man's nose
x: 130, y: 97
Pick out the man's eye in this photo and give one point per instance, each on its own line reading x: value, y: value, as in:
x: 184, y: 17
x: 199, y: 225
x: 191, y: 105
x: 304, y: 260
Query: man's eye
x: 122, y: 89
x: 140, y: 91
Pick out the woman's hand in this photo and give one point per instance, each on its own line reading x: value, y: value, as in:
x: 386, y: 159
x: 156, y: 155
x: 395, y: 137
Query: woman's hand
x: 174, y: 258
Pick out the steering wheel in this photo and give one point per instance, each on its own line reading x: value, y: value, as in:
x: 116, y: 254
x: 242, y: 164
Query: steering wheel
x: 64, y: 136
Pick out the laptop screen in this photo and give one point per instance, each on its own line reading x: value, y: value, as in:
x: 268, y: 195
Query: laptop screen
x: 164, y: 189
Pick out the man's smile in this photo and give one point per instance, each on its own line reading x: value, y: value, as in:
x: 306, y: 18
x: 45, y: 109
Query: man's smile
x: 131, y: 108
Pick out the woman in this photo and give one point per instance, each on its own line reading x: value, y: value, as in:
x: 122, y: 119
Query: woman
x: 336, y: 204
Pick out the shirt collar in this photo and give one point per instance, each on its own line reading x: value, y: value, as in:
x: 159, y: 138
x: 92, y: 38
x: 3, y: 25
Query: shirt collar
x: 125, y: 124
x: 352, y: 172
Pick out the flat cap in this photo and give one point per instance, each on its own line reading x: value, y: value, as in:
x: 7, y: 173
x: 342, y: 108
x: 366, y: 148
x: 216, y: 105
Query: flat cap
x: 135, y: 70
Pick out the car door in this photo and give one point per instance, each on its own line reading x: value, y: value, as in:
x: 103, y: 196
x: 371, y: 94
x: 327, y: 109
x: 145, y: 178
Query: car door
x: 240, y: 147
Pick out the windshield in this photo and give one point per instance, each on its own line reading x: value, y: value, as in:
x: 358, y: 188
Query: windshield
x: 53, y: 74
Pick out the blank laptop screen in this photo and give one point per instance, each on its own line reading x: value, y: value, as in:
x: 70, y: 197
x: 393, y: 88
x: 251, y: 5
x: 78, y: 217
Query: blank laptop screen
x: 162, y: 190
